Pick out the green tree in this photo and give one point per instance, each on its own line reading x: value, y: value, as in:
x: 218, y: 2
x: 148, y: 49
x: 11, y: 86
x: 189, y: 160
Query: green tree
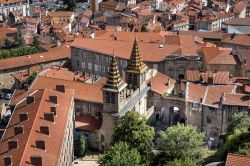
x: 120, y: 155
x: 36, y: 41
x: 240, y: 120
x: 132, y: 129
x: 7, y: 43
x: 143, y: 28
x: 19, y: 41
x: 81, y: 146
x: 181, y: 142
x: 238, y: 140
x: 71, y: 4
x: 187, y: 162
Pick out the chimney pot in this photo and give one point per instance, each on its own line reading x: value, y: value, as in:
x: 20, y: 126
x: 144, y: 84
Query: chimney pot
x: 60, y: 88
x: 30, y: 99
x: 44, y: 130
x: 18, y: 130
x: 49, y: 116
x: 8, y: 161
x: 40, y: 144
x: 53, y: 99
x: 12, y: 144
x: 36, y: 160
x: 23, y: 117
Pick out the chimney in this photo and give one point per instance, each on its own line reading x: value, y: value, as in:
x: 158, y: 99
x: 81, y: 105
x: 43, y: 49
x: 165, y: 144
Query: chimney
x: 44, y: 130
x: 18, y: 130
x: 53, y: 99
x: 12, y: 144
x: 201, y: 100
x: 40, y: 144
x: 60, y: 88
x: 30, y: 99
x: 49, y: 116
x: 26, y: 87
x: 8, y: 161
x: 210, y: 80
x: 53, y: 109
x: 23, y: 117
x: 36, y: 160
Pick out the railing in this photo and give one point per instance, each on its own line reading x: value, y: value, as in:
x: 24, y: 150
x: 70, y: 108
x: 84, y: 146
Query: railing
x: 150, y: 111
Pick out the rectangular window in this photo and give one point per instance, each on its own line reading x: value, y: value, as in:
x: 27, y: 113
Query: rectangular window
x: 97, y: 57
x: 96, y: 67
x: 239, y: 108
x: 107, y: 97
x: 103, y: 69
x: 89, y: 66
x: 209, y: 120
x: 83, y: 65
x: 107, y: 59
x: 100, y: 68
x: 194, y: 105
x: 230, y: 108
x: 113, y: 98
x: 211, y: 108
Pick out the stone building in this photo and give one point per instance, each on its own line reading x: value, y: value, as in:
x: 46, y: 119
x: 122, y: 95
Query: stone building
x: 169, y: 54
x: 210, y: 103
x: 40, y: 131
x: 6, y: 7
x: 120, y: 97
x: 39, y: 61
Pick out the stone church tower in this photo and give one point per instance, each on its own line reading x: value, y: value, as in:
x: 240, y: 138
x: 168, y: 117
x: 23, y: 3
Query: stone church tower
x: 119, y: 98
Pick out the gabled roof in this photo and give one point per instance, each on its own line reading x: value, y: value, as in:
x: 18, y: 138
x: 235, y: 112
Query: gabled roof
x: 26, y: 140
x: 218, y: 56
x: 83, y: 91
x: 58, y: 53
x: 237, y: 160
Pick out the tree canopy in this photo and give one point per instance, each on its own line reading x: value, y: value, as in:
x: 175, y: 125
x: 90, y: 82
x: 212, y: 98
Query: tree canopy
x: 238, y: 141
x: 81, y: 146
x: 71, y: 4
x: 19, y: 40
x: 181, y: 142
x: 120, y: 155
x: 133, y: 130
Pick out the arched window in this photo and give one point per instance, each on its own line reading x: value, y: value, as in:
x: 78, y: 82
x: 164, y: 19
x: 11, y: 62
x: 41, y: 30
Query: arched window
x: 113, y: 98
x: 102, y: 138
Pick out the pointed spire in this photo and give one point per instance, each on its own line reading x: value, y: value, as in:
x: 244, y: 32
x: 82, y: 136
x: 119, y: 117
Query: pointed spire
x: 113, y: 78
x: 135, y: 63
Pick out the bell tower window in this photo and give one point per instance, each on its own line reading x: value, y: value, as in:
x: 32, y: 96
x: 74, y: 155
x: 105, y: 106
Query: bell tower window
x: 113, y: 98
x: 107, y: 97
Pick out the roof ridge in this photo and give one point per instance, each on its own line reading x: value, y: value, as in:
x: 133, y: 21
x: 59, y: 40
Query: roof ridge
x: 35, y: 119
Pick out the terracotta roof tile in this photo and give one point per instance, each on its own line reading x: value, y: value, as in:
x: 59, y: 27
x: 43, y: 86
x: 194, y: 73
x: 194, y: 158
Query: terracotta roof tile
x: 236, y: 99
x: 56, y: 54
x: 237, y: 160
x: 84, y: 91
x: 215, y: 55
x: 26, y: 140
x: 161, y: 83
x: 87, y: 123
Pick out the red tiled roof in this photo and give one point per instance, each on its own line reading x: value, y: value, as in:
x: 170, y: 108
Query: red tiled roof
x: 87, y: 123
x: 220, y: 77
x: 63, y: 73
x: 236, y: 99
x: 59, y: 53
x: 10, y: 1
x: 83, y: 91
x: 61, y: 14
x: 26, y: 141
x: 214, y: 55
x: 211, y: 95
x: 150, y: 52
x: 237, y: 160
x: 161, y: 83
